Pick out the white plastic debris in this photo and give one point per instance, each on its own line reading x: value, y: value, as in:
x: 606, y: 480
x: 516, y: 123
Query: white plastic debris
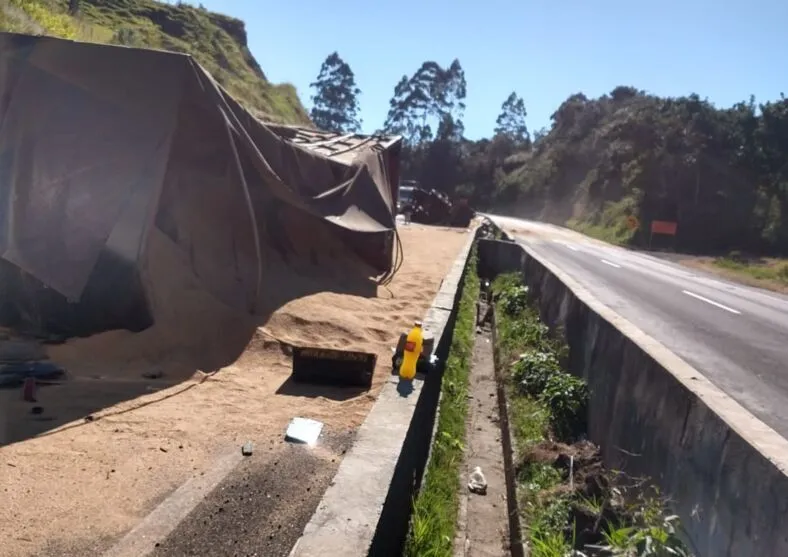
x: 303, y: 430
x: 478, y: 483
x: 571, y: 473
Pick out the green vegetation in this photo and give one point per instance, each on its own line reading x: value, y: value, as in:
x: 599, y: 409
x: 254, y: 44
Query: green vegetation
x: 335, y: 100
x: 37, y: 17
x: 216, y: 41
x: 776, y: 271
x: 720, y: 173
x: 434, y: 517
x: 570, y: 505
x: 609, y: 225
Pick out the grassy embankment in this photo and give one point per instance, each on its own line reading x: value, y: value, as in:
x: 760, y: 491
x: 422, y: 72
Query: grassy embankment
x: 608, y: 225
x: 434, y: 518
x: 768, y: 272
x: 216, y: 41
x: 567, y: 500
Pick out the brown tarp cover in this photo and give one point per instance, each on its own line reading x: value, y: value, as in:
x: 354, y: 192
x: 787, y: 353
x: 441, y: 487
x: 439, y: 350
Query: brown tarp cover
x: 100, y: 144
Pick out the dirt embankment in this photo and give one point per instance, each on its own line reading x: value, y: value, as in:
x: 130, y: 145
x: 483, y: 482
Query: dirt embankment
x: 157, y: 415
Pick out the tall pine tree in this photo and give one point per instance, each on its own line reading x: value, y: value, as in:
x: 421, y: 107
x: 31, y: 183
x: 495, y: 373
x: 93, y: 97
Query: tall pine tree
x: 427, y: 109
x: 424, y: 102
x: 511, y: 122
x: 335, y: 102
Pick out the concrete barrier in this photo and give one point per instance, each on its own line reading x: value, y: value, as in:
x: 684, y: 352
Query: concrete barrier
x: 366, y: 509
x: 654, y: 415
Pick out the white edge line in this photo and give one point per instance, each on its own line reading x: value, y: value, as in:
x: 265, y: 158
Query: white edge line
x: 765, y: 440
x: 606, y: 262
x: 712, y: 302
x: 728, y: 286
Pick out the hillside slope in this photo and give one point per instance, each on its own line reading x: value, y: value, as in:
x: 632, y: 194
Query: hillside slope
x: 721, y: 173
x: 216, y: 41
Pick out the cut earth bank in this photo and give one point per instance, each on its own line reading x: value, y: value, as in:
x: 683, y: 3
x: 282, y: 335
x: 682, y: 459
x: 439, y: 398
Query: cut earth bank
x: 77, y: 489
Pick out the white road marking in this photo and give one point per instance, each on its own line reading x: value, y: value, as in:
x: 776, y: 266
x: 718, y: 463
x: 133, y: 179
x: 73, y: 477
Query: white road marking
x: 712, y: 302
x: 734, y: 288
x: 565, y: 244
x: 606, y: 262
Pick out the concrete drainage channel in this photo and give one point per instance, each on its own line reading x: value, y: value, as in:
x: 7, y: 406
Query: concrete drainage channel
x: 366, y: 509
x: 654, y: 416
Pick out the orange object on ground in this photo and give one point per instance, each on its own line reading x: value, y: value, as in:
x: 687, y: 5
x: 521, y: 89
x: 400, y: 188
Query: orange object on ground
x: 411, y: 352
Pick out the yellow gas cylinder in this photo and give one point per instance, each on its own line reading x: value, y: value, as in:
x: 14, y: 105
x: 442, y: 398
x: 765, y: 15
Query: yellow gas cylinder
x: 411, y: 352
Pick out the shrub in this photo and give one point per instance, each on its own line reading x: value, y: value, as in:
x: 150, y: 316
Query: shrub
x: 51, y: 22
x: 567, y: 398
x: 531, y: 333
x: 533, y: 370
x: 505, y: 282
x: 513, y: 301
x: 538, y: 374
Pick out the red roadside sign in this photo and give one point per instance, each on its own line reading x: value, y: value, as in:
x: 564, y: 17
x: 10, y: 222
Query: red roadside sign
x: 664, y: 227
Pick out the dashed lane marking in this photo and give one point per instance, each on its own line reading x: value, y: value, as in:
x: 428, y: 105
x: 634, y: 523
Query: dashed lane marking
x: 712, y: 302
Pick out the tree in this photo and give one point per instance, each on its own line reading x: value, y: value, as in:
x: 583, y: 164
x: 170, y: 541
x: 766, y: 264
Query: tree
x: 423, y: 102
x: 722, y: 173
x: 624, y: 93
x: 511, y: 122
x: 396, y: 120
x: 771, y: 142
x: 540, y: 134
x: 335, y: 102
x: 441, y: 168
x: 427, y: 110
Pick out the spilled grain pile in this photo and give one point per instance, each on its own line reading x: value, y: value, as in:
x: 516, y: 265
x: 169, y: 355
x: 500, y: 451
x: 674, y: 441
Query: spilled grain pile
x: 95, y: 479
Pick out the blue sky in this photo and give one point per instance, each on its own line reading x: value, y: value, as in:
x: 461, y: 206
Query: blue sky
x: 544, y: 50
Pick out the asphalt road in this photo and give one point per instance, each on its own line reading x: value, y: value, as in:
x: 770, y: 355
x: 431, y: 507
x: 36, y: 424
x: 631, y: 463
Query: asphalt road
x: 736, y: 335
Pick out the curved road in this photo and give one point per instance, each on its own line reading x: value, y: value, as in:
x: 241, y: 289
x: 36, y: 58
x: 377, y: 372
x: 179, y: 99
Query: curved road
x: 737, y: 336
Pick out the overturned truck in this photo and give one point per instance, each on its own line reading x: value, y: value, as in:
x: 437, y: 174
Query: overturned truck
x: 103, y: 148
x: 431, y: 206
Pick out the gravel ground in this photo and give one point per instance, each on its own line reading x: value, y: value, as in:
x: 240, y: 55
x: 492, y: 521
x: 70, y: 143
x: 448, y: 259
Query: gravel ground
x: 262, y: 507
